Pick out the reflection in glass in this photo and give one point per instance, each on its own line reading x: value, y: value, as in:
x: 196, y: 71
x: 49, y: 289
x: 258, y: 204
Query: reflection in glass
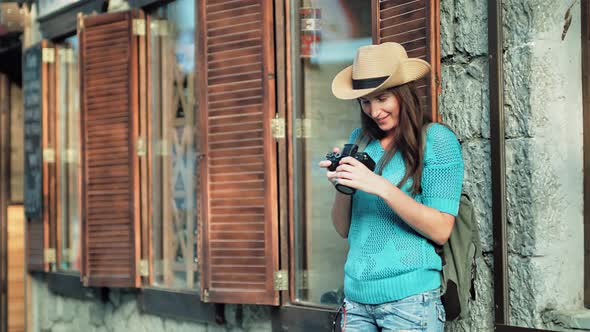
x: 174, y: 170
x: 329, y: 34
x: 48, y: 6
x: 69, y: 151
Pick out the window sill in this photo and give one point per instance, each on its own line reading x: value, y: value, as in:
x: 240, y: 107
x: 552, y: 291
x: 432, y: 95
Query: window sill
x: 186, y: 305
x: 295, y: 318
x: 63, y: 22
x: 69, y: 285
x: 570, y: 319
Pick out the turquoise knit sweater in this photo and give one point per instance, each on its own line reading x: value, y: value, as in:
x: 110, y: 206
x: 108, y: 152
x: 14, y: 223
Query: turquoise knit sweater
x: 387, y: 259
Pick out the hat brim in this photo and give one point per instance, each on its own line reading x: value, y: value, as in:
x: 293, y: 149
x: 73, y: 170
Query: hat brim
x: 410, y: 70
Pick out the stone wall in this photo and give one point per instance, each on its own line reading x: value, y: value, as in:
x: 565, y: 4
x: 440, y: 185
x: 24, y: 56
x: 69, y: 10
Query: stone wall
x: 464, y: 105
x: 543, y: 107
x: 120, y: 312
x: 543, y: 114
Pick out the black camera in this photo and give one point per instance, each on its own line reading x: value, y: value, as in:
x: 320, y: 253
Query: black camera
x: 349, y: 150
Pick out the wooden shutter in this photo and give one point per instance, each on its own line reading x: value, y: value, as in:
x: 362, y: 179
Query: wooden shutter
x: 38, y: 95
x: 239, y: 244
x: 112, y: 147
x: 414, y: 24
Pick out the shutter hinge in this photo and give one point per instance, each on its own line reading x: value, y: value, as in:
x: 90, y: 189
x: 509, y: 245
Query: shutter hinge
x: 162, y: 148
x: 71, y: 156
x: 49, y: 155
x: 65, y: 255
x: 159, y: 267
x: 143, y: 268
x: 48, y: 55
x: 205, y: 295
x: 303, y: 128
x: 69, y: 56
x: 140, y: 147
x: 303, y: 282
x: 138, y: 27
x: 281, y: 280
x: 159, y: 27
x: 278, y: 127
x: 49, y: 255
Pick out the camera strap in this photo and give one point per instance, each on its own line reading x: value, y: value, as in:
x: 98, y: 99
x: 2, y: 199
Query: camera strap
x: 362, y: 140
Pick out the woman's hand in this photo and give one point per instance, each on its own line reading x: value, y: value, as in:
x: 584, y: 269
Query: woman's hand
x: 326, y: 163
x: 354, y: 174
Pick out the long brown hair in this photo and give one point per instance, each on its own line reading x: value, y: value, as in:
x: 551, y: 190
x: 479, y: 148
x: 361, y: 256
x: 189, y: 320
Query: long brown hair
x: 407, y: 134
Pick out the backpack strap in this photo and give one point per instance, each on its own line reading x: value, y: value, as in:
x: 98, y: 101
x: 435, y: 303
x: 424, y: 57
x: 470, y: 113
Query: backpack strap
x: 362, y: 140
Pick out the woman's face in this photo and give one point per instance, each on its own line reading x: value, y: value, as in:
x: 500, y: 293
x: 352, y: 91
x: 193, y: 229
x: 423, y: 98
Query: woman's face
x: 383, y: 108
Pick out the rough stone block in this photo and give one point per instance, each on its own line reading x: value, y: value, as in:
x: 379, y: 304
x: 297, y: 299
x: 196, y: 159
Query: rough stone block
x: 447, y: 29
x: 477, y: 184
x: 471, y: 27
x: 463, y: 104
x: 517, y: 92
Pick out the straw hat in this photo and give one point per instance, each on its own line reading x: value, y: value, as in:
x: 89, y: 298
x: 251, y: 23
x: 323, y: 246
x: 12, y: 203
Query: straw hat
x: 377, y: 67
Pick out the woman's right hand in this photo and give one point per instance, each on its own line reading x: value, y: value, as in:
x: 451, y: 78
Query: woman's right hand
x: 326, y: 163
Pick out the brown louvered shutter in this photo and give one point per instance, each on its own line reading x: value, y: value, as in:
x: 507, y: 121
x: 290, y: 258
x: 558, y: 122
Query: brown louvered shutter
x: 111, y: 146
x: 38, y: 95
x: 239, y: 243
x: 415, y: 25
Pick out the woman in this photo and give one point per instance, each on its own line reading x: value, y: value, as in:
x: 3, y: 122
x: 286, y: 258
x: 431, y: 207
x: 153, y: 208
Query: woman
x: 405, y: 208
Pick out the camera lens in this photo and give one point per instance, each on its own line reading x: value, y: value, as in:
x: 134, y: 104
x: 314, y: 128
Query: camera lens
x: 345, y: 190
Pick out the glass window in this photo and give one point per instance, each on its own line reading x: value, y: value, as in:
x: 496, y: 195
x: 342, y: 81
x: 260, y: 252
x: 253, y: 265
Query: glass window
x: 329, y: 32
x: 174, y: 170
x: 68, y: 143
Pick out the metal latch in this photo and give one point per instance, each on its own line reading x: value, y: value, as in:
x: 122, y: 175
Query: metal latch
x: 71, y: 156
x: 303, y: 128
x: 48, y: 55
x: 143, y: 268
x: 49, y: 155
x: 162, y: 148
x: 281, y: 280
x: 159, y: 27
x: 49, y: 255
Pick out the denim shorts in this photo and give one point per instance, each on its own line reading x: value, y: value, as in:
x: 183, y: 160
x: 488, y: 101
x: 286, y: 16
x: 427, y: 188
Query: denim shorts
x: 420, y: 312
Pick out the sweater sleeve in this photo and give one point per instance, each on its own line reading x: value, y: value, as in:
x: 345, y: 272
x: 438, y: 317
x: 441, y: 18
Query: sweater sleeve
x: 442, y: 175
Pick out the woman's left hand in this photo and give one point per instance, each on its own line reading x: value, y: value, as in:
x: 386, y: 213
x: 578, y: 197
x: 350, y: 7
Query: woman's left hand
x: 354, y: 174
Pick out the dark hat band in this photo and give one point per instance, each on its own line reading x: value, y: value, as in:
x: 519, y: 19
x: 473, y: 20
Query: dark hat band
x: 368, y: 83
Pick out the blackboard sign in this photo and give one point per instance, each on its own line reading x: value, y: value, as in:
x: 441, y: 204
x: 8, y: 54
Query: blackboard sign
x: 33, y: 128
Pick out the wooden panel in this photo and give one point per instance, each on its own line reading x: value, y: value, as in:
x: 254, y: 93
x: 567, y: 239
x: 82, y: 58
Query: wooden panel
x: 16, y: 268
x: 111, y: 186
x: 4, y: 148
x: 415, y: 25
x: 16, y: 144
x: 238, y: 171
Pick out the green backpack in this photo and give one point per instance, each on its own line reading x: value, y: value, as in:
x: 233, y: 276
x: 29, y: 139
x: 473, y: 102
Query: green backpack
x: 458, y: 254
x: 458, y: 257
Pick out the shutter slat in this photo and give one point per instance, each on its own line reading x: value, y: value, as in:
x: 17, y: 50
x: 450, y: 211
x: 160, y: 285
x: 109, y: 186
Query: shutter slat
x: 109, y: 113
x: 226, y: 6
x: 235, y: 12
x: 235, y: 62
